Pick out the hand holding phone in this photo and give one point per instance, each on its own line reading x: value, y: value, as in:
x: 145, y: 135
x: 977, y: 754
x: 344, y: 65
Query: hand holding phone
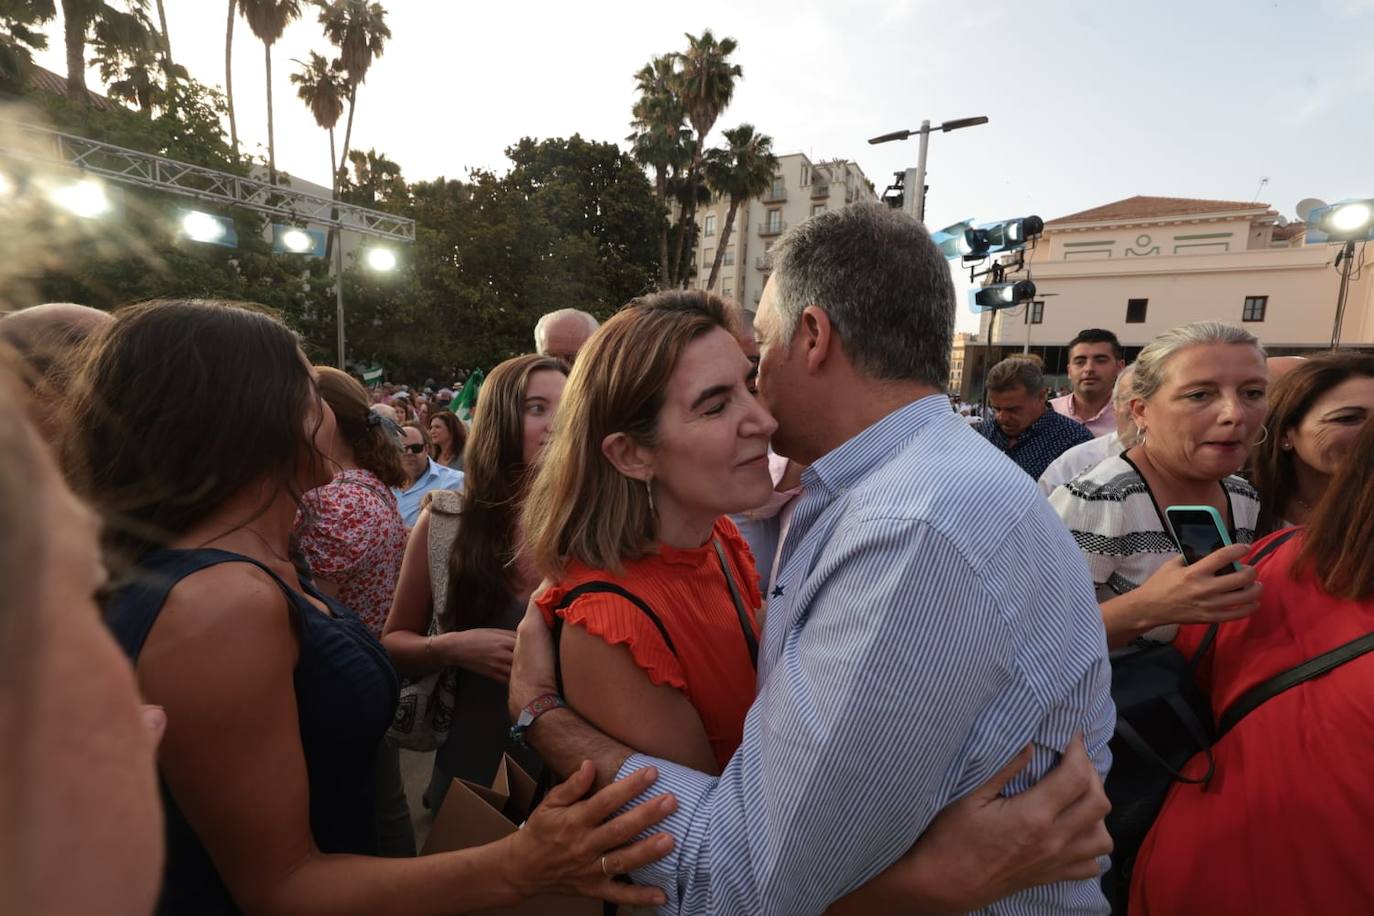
x: 1199, y: 531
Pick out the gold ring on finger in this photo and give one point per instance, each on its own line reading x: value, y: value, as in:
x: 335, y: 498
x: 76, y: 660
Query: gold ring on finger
x: 604, y: 870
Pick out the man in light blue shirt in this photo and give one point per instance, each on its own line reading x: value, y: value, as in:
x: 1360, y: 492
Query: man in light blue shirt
x: 931, y: 615
x: 424, y: 472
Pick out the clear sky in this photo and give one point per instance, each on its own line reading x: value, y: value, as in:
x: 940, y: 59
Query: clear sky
x: 1089, y: 101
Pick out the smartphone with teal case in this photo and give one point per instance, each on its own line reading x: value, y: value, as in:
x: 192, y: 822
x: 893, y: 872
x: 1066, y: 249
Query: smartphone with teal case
x: 1199, y: 531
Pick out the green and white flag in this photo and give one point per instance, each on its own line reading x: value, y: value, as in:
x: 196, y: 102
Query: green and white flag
x: 373, y: 376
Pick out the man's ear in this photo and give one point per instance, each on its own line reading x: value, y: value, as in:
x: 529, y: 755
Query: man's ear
x: 628, y: 457
x: 818, y: 339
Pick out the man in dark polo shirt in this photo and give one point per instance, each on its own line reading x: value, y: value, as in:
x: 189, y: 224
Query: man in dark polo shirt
x: 1022, y: 424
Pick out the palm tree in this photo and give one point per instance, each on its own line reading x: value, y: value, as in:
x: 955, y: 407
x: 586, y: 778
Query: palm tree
x: 661, y: 139
x: 359, y: 30
x: 268, y: 19
x: 82, y: 18
x: 321, y: 85
x: 707, y: 83
x: 740, y: 170
x: 21, y: 36
x: 229, y: 74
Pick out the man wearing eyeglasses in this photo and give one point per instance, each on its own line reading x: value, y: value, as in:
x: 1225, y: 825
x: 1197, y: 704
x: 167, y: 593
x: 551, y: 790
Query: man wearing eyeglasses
x: 424, y: 473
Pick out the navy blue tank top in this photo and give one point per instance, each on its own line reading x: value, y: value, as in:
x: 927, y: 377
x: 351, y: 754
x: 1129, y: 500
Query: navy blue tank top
x: 346, y: 693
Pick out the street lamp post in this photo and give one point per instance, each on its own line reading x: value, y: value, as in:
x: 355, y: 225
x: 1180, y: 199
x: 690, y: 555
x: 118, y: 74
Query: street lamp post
x: 914, y: 182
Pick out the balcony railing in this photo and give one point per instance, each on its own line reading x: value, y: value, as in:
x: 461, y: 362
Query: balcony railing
x: 772, y: 228
x: 820, y: 190
x: 775, y: 195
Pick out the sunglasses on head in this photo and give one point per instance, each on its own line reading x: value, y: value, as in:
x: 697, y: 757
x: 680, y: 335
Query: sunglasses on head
x: 417, y: 449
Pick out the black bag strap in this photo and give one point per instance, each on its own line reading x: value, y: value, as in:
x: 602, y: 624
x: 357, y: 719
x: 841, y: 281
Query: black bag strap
x: 1313, y: 667
x: 591, y: 588
x: 749, y: 639
x: 1190, y: 721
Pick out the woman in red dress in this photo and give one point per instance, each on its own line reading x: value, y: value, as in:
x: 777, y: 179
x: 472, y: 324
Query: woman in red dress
x: 1286, y: 823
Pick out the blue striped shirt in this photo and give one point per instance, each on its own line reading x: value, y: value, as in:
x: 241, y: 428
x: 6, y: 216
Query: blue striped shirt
x: 936, y: 618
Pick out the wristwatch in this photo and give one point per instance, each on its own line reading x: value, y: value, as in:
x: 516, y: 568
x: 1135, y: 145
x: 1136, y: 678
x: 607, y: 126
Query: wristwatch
x: 537, y: 707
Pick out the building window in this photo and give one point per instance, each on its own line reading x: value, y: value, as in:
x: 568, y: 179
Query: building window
x: 729, y: 257
x: 728, y: 290
x: 779, y: 187
x: 1135, y: 310
x: 775, y: 220
x: 1255, y: 307
x: 817, y: 208
x: 1035, y: 314
x: 708, y: 257
x: 710, y: 228
x: 805, y: 175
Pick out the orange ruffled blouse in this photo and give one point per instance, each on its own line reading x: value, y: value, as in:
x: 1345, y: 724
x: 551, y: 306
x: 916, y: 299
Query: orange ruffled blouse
x: 687, y: 590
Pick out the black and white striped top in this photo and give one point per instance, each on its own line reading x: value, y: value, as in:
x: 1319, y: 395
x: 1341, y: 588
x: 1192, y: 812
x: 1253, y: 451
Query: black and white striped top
x: 1113, y: 518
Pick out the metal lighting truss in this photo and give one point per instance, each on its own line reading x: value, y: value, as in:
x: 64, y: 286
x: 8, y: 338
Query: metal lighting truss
x: 145, y: 170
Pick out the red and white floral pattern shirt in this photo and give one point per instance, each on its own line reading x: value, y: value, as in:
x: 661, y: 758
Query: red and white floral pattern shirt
x: 351, y: 533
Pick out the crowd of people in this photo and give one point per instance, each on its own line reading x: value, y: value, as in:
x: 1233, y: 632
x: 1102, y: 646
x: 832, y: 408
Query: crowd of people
x: 719, y: 573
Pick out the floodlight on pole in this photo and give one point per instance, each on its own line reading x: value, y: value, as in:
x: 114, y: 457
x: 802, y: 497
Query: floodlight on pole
x: 382, y: 260
x: 297, y: 240
x: 85, y: 198
x: 201, y: 227
x: 1348, y: 222
x: 914, y: 182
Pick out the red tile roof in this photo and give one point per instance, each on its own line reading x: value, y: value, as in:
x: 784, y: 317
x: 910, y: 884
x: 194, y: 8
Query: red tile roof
x: 1141, y: 207
x: 46, y: 81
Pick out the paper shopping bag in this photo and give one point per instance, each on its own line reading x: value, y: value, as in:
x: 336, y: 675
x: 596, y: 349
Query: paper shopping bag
x: 474, y: 815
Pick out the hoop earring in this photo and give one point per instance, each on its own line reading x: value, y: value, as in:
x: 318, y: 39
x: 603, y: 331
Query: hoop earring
x: 649, y: 488
x: 1141, y: 441
x: 1262, y: 439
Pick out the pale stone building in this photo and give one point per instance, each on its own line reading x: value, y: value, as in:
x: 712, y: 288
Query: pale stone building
x: 800, y: 190
x: 1142, y: 265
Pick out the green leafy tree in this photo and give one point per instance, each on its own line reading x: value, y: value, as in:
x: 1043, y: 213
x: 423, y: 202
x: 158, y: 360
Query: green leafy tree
x: 376, y: 182
x: 740, y: 170
x: 21, y: 34
x: 268, y: 19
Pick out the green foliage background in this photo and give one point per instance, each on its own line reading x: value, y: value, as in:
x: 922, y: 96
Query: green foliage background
x: 573, y: 223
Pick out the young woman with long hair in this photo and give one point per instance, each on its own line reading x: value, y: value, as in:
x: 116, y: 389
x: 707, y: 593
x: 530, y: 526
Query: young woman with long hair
x: 465, y: 564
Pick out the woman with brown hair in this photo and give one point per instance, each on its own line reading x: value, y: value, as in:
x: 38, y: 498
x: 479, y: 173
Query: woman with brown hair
x: 464, y: 566
x: 658, y: 440
x: 351, y: 537
x: 276, y: 696
x: 349, y: 531
x: 1316, y: 412
x: 449, y: 438
x: 1286, y: 821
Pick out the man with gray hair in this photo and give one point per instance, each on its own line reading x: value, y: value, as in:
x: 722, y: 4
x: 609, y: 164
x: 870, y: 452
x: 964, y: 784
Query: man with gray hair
x: 562, y: 333
x: 1092, y: 453
x: 931, y: 619
x: 1022, y: 424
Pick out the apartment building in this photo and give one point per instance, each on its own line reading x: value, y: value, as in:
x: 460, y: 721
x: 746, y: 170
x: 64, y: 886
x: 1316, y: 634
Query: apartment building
x: 801, y: 189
